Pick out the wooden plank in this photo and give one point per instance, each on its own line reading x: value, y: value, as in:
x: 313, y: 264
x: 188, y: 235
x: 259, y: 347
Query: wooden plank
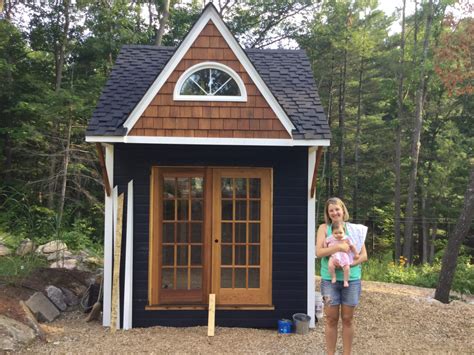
x: 115, y: 319
x: 212, y: 315
x: 128, y: 287
x: 319, y: 154
x: 105, y: 176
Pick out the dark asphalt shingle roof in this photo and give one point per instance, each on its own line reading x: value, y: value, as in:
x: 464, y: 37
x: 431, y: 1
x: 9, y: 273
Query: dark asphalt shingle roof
x: 287, y: 73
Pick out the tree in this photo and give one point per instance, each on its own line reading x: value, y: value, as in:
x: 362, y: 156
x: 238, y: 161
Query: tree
x: 450, y: 256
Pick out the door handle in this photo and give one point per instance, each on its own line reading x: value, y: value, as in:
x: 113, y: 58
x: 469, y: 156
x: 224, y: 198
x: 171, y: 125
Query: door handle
x: 216, y: 241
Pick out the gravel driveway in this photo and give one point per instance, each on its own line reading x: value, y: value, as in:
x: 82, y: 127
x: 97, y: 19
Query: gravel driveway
x: 391, y: 319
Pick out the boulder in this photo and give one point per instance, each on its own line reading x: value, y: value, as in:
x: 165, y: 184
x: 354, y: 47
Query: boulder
x: 14, y: 334
x: 58, y: 255
x: 26, y: 247
x: 52, y: 246
x: 56, y: 296
x: 69, y: 264
x: 43, y: 309
x: 93, y: 260
x: 69, y: 297
x: 4, y: 250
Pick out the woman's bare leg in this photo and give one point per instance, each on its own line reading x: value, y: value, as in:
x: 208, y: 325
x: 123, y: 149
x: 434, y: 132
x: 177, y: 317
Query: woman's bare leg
x: 346, y: 269
x: 332, y: 270
x: 347, y: 314
x: 330, y: 331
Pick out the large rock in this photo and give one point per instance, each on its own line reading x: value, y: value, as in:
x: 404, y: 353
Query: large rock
x: 69, y: 264
x: 26, y: 247
x: 58, y: 255
x: 56, y: 296
x: 14, y: 334
x: 69, y: 297
x: 43, y: 309
x: 4, y: 250
x: 51, y: 247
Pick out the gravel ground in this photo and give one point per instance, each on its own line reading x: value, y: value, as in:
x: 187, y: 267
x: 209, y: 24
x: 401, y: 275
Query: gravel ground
x: 391, y: 319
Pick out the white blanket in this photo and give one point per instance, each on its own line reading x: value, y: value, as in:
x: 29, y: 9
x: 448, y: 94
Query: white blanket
x: 357, y: 234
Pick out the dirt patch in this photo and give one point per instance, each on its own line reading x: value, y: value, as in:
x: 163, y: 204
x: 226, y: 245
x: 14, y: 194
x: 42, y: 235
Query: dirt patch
x: 391, y: 319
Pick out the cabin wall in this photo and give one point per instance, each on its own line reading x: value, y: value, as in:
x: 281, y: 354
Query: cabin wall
x: 289, y: 269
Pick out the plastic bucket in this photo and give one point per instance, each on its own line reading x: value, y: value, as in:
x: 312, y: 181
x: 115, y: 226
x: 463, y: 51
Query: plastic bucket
x: 301, y: 323
x: 284, y: 326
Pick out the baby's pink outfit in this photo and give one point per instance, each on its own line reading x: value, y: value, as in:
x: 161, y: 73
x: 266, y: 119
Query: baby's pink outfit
x: 341, y: 257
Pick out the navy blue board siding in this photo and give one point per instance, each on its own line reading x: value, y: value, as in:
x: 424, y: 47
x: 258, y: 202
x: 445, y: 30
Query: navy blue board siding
x: 290, y: 184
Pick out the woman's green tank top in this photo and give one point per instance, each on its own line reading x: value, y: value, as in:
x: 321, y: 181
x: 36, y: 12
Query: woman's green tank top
x: 354, y: 274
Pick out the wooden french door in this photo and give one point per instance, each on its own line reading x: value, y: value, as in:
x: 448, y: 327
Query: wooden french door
x: 210, y: 233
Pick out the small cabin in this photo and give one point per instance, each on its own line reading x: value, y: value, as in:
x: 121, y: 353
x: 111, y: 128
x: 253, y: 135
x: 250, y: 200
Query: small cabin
x: 215, y: 149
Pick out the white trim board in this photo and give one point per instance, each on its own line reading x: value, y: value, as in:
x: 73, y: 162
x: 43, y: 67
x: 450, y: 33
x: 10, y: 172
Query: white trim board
x: 311, y: 238
x: 210, y: 141
x: 210, y: 14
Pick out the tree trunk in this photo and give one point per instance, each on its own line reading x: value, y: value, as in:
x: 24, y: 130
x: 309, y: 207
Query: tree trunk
x: 64, y: 182
x: 342, y: 112
x: 455, y: 240
x: 355, y: 197
x: 424, y: 227
x: 163, y: 22
x: 398, y: 141
x: 329, y: 177
x: 415, y: 150
x: 62, y: 46
x: 434, y: 232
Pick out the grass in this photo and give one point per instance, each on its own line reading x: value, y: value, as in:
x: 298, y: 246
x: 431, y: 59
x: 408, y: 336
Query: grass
x: 13, y: 269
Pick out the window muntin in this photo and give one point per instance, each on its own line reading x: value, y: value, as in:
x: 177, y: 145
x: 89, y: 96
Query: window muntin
x: 210, y: 81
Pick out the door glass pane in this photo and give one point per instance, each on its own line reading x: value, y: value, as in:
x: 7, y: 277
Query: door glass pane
x: 182, y: 279
x: 254, y: 210
x: 182, y: 256
x: 254, y: 255
x: 167, y: 278
x: 197, y: 187
x: 241, y: 210
x: 196, y: 210
x: 183, y: 206
x: 168, y: 255
x: 254, y: 188
x: 226, y: 231
x: 168, y: 210
x: 240, y: 232
x: 240, y: 255
x: 196, y: 279
x: 240, y: 187
x: 226, y: 255
x: 254, y: 278
x: 169, y: 188
x: 227, y: 210
x: 182, y: 235
x: 254, y: 232
x: 226, y: 278
x: 168, y: 232
x: 183, y: 187
x: 226, y: 187
x: 196, y: 232
x: 240, y: 278
x: 196, y: 255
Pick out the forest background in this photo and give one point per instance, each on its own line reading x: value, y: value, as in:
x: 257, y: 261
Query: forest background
x: 399, y: 104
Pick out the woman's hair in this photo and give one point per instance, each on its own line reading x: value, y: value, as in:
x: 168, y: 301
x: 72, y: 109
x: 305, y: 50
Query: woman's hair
x: 335, y: 201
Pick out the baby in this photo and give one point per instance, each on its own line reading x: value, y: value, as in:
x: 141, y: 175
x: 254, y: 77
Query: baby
x: 340, y: 259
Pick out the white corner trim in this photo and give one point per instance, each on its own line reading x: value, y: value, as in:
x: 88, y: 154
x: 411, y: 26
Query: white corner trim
x: 108, y: 238
x: 210, y: 14
x: 209, y: 65
x: 211, y: 141
x: 128, y: 285
x: 311, y: 237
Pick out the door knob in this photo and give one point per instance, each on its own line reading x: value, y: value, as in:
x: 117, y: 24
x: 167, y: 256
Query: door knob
x: 216, y: 241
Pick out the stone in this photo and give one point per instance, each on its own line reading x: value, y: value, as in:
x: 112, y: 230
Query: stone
x: 56, y: 296
x: 4, y: 250
x: 14, y: 334
x: 69, y: 264
x: 53, y: 246
x: 43, y: 309
x: 58, y: 255
x: 26, y: 247
x: 69, y: 297
x: 93, y: 260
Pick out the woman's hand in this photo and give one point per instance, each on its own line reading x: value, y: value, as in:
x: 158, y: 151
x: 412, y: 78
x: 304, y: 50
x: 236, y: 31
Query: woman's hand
x: 344, y: 247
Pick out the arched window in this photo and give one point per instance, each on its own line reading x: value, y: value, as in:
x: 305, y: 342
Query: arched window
x: 210, y: 81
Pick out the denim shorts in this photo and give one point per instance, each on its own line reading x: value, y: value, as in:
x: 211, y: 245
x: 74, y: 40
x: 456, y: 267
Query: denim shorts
x: 335, y: 294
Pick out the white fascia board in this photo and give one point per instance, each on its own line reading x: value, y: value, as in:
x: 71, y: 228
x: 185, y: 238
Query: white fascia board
x: 212, y: 141
x: 209, y: 14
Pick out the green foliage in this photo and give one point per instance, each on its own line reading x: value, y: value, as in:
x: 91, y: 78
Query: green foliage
x: 80, y: 236
x: 14, y: 268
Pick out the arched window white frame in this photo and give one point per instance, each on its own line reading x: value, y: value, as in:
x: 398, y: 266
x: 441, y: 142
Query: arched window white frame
x: 210, y: 96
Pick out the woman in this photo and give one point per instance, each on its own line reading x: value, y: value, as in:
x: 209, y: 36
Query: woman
x: 340, y: 301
